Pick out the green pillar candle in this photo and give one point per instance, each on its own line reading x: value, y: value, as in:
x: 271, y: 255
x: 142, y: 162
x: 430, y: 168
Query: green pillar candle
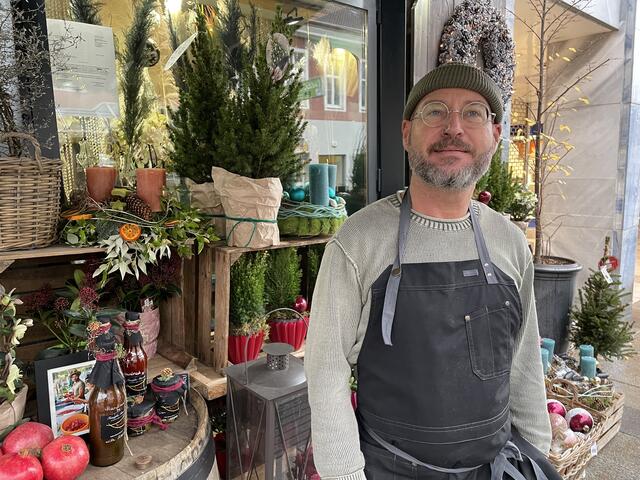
x: 549, y: 344
x: 586, y: 351
x: 544, y: 353
x: 333, y: 171
x: 319, y: 184
x: 588, y: 366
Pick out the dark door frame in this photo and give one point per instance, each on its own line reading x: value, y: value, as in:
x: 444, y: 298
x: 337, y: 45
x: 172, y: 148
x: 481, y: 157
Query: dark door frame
x: 388, y: 61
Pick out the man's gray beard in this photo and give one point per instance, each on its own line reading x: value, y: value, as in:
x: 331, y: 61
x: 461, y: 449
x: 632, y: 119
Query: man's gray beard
x: 439, y: 178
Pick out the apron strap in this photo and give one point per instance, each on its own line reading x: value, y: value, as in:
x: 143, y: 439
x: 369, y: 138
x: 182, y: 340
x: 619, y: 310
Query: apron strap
x: 393, y: 282
x: 500, y: 466
x: 402, y: 454
x: 483, y: 251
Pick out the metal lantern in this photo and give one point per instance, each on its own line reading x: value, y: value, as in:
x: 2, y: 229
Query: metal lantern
x: 268, y: 418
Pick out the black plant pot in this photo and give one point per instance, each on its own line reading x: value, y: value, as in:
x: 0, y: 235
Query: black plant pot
x: 554, y: 286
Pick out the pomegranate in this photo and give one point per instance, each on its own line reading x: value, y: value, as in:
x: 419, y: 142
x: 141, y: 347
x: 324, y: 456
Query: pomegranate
x: 30, y: 435
x: 20, y: 466
x: 65, y: 458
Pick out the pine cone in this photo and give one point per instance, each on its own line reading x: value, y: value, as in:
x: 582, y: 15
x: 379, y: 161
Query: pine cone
x: 138, y: 207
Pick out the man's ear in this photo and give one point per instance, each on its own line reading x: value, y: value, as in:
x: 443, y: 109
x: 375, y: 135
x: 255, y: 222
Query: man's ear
x: 406, y: 133
x: 497, y: 132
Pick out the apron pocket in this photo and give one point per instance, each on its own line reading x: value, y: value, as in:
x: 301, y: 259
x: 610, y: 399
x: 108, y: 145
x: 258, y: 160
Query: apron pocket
x: 489, y: 339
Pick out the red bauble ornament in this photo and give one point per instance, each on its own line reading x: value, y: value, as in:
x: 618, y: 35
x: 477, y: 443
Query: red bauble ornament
x: 484, y: 197
x: 554, y: 406
x: 610, y: 261
x: 300, y: 305
x: 579, y: 420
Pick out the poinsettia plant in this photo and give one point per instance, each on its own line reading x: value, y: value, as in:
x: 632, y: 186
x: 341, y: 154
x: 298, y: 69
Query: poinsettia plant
x: 12, y: 329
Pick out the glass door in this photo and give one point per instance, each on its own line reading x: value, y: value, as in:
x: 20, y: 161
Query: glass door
x: 333, y: 52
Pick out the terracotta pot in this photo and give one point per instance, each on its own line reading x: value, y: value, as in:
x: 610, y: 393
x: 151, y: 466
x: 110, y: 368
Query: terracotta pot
x: 100, y: 182
x: 292, y: 331
x: 149, y: 185
x: 238, y: 343
x: 11, y: 412
x: 149, y: 328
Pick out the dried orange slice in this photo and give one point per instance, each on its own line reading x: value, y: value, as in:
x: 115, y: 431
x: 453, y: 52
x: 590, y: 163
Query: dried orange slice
x: 81, y: 216
x: 130, y: 232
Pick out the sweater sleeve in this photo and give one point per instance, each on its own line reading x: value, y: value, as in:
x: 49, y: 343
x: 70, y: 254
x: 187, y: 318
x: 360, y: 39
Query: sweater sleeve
x: 335, y: 314
x: 528, y: 397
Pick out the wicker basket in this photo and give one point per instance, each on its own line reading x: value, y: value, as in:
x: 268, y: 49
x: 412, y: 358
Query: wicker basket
x: 29, y: 198
x: 572, y: 462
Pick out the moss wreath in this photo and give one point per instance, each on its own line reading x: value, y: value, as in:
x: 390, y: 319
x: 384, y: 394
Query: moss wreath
x: 477, y: 25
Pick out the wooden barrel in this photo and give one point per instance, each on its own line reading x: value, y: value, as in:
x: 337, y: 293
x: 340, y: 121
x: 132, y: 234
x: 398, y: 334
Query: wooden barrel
x: 184, y: 451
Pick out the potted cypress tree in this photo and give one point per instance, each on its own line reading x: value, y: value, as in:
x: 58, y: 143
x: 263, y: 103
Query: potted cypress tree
x: 499, y: 182
x: 247, y: 322
x: 282, y: 288
x: 260, y: 128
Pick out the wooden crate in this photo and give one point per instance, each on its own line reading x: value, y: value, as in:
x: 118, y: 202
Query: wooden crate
x: 610, y: 425
x: 212, y: 349
x: 27, y: 271
x: 574, y: 461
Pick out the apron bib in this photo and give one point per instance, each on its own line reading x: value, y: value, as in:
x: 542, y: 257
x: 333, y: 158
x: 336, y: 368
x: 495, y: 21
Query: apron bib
x: 434, y: 370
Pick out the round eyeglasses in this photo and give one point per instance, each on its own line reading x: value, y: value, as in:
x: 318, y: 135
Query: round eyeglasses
x: 436, y: 114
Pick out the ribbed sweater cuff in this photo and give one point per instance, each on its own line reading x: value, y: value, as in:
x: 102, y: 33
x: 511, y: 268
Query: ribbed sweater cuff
x: 359, y: 475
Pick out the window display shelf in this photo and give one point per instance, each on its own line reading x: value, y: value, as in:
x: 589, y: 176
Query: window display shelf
x: 7, y: 258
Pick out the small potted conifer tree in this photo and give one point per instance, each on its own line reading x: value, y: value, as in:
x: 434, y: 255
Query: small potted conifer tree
x: 247, y: 322
x: 599, y: 320
x: 282, y: 288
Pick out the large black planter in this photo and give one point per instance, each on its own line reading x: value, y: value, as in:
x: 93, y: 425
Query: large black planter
x: 554, y: 286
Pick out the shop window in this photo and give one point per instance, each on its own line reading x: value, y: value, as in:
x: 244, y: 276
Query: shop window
x: 363, y: 85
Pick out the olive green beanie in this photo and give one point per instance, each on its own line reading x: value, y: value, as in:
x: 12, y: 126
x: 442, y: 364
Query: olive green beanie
x: 456, y: 75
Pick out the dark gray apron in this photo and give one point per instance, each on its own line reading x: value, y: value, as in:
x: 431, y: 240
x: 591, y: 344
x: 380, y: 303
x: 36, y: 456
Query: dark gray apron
x: 433, y: 371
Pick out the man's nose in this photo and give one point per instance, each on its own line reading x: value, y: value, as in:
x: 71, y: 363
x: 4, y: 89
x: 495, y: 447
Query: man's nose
x: 453, y: 127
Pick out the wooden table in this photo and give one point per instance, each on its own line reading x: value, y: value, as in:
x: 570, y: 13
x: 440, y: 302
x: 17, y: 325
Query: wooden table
x: 184, y: 444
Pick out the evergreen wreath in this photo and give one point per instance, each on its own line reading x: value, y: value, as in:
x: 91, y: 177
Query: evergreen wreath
x: 474, y: 25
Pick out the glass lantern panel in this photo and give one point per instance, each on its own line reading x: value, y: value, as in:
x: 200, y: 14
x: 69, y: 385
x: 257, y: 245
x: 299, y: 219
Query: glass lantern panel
x: 246, y: 425
x: 293, y: 456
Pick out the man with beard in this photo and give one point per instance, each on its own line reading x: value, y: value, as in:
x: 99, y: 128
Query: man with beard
x: 429, y: 295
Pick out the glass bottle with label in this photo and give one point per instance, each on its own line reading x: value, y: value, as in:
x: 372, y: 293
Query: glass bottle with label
x: 134, y: 362
x: 107, y: 402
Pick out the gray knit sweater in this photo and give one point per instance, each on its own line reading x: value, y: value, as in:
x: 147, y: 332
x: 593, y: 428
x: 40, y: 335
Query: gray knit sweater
x: 353, y: 260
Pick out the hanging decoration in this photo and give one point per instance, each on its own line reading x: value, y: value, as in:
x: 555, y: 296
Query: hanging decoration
x: 477, y: 27
x: 278, y: 55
